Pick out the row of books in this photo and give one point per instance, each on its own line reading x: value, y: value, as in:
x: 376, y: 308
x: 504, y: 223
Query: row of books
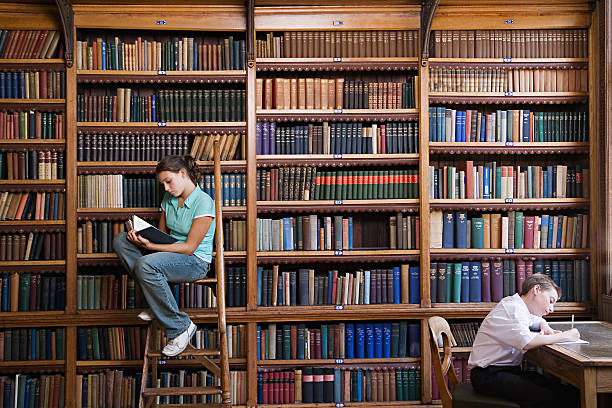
x: 30, y: 44
x: 33, y: 391
x: 32, y: 344
x: 234, y: 235
x: 231, y: 146
x: 111, y: 343
x: 32, y: 85
x: 517, y: 125
x: 194, y: 295
x: 32, y: 292
x: 490, y: 281
x: 460, y: 363
x: 32, y: 206
x: 342, y: 340
x: 170, y: 54
x: 184, y: 105
x: 400, y: 284
x: 404, y: 231
x: 233, y: 188
x: 508, y: 80
x: 109, y: 388
x: 335, y: 93
x: 32, y: 165
x: 327, y: 385
x: 338, y: 138
x: 495, y: 180
x: 516, y: 230
x: 509, y: 44
x: 118, y: 191
x: 96, y: 237
x: 31, y: 125
x: 129, y: 147
x: 32, y: 246
x: 365, y: 184
x: 464, y: 333
x: 339, y: 44
x: 108, y: 292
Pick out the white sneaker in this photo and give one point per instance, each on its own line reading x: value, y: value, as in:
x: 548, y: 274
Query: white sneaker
x: 178, y: 344
x: 146, y: 315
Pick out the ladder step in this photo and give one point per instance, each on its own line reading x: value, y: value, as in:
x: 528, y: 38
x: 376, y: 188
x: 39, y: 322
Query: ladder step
x: 189, y: 352
x: 167, y: 391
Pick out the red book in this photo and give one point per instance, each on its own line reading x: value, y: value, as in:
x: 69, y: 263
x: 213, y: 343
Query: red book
x: 528, y: 231
x: 334, y: 284
x: 276, y: 383
x: 266, y: 387
x: 42, y: 83
x: 528, y: 269
x: 286, y: 396
x: 293, y: 341
x: 291, y: 399
x: 383, y: 141
x: 33, y: 288
x: 115, y: 302
x: 181, y: 295
x: 317, y: 345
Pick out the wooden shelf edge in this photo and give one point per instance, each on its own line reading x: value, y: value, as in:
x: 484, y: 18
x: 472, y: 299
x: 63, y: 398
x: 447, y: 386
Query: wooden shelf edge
x: 46, y: 61
x: 344, y: 361
x: 202, y: 125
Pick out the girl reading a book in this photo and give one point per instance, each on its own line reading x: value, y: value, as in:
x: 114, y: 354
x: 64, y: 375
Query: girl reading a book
x: 187, y: 215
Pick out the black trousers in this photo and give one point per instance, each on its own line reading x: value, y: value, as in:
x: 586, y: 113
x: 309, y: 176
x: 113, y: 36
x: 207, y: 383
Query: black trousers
x: 527, y: 388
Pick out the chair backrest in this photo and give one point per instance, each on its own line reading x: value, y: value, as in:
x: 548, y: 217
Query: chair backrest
x: 443, y: 365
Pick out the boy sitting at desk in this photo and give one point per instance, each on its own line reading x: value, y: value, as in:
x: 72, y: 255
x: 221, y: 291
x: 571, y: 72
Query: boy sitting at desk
x: 506, y: 334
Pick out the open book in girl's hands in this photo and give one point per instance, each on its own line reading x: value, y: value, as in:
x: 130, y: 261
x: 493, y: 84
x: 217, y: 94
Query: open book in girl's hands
x: 146, y: 230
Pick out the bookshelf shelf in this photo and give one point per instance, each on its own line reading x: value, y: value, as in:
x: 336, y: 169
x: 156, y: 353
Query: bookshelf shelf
x: 382, y: 255
x: 111, y: 258
x: 503, y: 98
x: 32, y: 184
x: 480, y: 310
x: 36, y: 104
x: 128, y: 317
x: 515, y: 204
x: 33, y: 226
x: 148, y: 167
x: 344, y: 160
x: 489, y: 253
x: 29, y: 366
x: 332, y: 312
x: 350, y: 404
x: 509, y: 63
x: 84, y: 364
x: 504, y: 148
x: 48, y: 63
x: 33, y: 319
x: 21, y: 143
x: 345, y: 362
x: 336, y: 64
x: 163, y: 127
x: 337, y: 115
x: 160, y: 77
x: 142, y: 212
x: 404, y: 205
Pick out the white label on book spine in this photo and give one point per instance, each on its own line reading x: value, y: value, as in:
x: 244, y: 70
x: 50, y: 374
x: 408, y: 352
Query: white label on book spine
x: 338, y: 202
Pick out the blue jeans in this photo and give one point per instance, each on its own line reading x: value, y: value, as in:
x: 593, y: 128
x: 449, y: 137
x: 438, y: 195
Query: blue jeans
x: 154, y: 271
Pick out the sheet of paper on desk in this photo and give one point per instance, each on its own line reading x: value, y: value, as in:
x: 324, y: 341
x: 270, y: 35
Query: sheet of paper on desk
x: 573, y: 342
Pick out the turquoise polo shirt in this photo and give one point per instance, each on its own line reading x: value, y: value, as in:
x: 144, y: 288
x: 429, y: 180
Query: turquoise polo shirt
x: 179, y: 219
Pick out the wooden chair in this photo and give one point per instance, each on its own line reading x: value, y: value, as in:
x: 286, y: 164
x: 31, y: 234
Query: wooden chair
x: 214, y: 360
x: 456, y: 394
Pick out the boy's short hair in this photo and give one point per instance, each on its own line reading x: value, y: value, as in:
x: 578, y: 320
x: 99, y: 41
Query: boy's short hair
x: 544, y: 281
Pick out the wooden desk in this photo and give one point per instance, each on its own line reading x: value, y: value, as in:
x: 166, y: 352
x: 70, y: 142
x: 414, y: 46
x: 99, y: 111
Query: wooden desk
x: 586, y: 366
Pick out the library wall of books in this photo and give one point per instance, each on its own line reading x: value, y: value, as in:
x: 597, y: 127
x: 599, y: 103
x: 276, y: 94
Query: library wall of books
x: 381, y: 164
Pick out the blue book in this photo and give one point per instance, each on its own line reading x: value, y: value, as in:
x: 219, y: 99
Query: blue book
x: 555, y: 272
x: 414, y: 340
x: 403, y: 337
x: 396, y: 285
x: 287, y: 234
x: 350, y: 232
x: 359, y: 341
x: 483, y: 128
x: 319, y: 238
x: 461, y: 229
x: 414, y: 296
x: 258, y: 341
x: 2, y: 85
x: 337, y: 386
x: 259, y: 387
x: 441, y: 124
x: 324, y: 341
x: 301, y: 329
x: 369, y: 340
x: 367, y: 287
x: 5, y: 292
x: 526, y: 125
x: 103, y: 55
x: 560, y: 229
x: 563, y: 281
x: 448, y: 229
x: 359, y: 388
x: 432, y: 120
x: 258, y: 137
x: 330, y: 280
x: 265, y: 138
x: 272, y: 139
x: 486, y: 182
x: 549, y: 171
x: 378, y: 340
x: 349, y: 340
x: 551, y: 223
x: 463, y: 126
x: 386, y: 340
x: 153, y: 108
x: 465, y: 282
x: 475, y: 282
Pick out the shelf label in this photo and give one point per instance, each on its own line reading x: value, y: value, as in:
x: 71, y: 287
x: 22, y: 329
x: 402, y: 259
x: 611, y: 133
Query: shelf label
x: 338, y: 202
x: 509, y: 200
x: 339, y: 307
x: 338, y: 252
x: 339, y: 361
x: 337, y: 59
x: 337, y: 110
x: 340, y: 404
x: 161, y: 72
x: 338, y: 22
x: 161, y: 124
x: 509, y: 143
x: 507, y: 59
x: 509, y: 21
x: 161, y: 22
x: 509, y: 250
x: 337, y: 155
x: 509, y: 93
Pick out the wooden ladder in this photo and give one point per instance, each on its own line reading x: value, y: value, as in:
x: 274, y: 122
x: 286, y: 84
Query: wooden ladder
x: 214, y: 360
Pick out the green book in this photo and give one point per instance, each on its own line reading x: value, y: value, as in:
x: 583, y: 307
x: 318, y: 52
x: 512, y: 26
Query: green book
x: 477, y: 232
x: 89, y: 342
x: 206, y: 107
x: 226, y: 106
x: 97, y: 289
x: 417, y: 385
x: 456, y: 297
x: 24, y: 292
x: 411, y: 384
x: 181, y: 105
x: 95, y: 343
x: 20, y: 391
x: 399, y: 389
x: 395, y: 329
x: 90, y: 292
x: 213, y: 106
x: 518, y: 230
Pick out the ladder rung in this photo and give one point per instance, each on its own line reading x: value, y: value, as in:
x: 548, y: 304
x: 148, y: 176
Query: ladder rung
x: 189, y: 352
x: 207, y: 280
x: 154, y: 392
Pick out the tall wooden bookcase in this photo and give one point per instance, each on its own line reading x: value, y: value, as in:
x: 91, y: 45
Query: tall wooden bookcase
x: 270, y: 17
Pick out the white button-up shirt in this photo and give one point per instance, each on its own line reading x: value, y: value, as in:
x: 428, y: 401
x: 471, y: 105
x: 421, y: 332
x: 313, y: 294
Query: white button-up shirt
x: 504, y: 333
